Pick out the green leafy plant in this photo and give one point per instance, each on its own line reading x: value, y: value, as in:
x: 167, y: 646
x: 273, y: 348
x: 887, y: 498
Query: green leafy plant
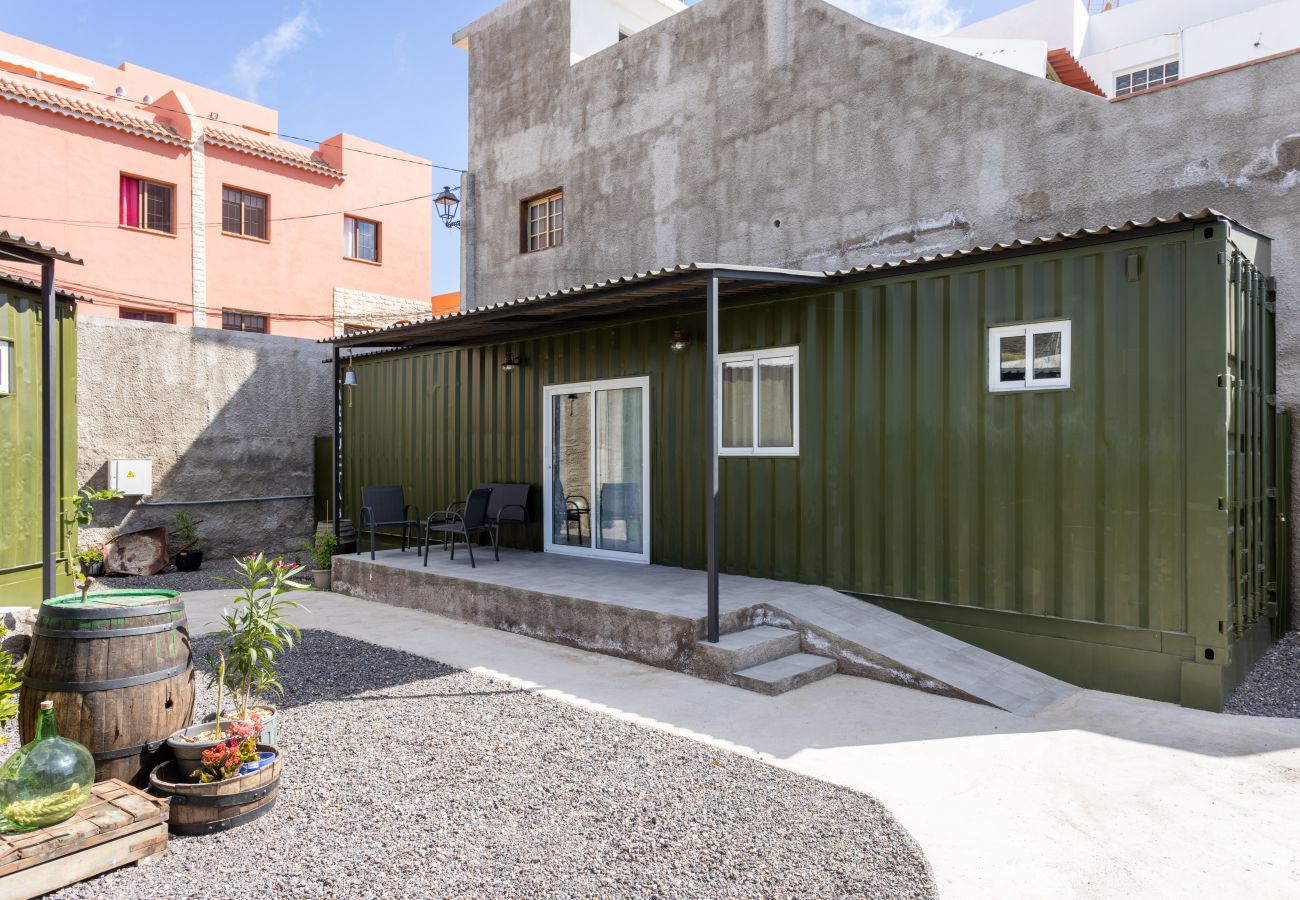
x: 78, y: 511
x: 256, y: 631
x: 10, y: 681
x: 89, y: 556
x: 187, y: 529
x: 321, y: 548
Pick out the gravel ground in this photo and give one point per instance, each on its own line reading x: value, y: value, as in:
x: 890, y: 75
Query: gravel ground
x: 1273, y: 686
x: 407, y: 778
x: 205, y: 579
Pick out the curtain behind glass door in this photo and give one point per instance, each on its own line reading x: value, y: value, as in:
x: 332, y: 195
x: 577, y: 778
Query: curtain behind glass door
x: 620, y: 472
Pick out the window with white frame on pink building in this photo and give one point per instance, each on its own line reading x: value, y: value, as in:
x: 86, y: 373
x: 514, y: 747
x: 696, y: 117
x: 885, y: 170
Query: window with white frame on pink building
x: 146, y: 204
x: 360, y: 239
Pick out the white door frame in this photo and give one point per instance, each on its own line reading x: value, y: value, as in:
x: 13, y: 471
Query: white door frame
x: 548, y: 477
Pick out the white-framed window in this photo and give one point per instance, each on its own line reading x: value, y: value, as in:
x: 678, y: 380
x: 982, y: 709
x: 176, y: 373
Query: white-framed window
x: 1146, y: 77
x: 360, y: 239
x: 1029, y: 356
x: 758, y: 402
x: 6, y: 367
x: 542, y: 222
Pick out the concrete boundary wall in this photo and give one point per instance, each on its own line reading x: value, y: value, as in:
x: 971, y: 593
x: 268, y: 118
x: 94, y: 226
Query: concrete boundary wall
x: 221, y: 414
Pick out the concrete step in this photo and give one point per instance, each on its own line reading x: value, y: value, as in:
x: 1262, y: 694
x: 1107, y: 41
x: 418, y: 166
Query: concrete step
x: 784, y: 674
x: 750, y: 647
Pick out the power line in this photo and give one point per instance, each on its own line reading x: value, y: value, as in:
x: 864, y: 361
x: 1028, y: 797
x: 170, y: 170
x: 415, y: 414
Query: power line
x: 280, y: 134
x: 112, y: 297
x: 101, y: 223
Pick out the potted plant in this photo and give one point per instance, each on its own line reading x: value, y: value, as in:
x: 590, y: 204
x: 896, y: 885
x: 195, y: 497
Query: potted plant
x: 254, y: 634
x: 90, y: 561
x: 321, y: 549
x: 187, y: 559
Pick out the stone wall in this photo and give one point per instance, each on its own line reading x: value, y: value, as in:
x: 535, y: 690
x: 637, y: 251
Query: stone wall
x: 221, y: 414
x: 353, y: 307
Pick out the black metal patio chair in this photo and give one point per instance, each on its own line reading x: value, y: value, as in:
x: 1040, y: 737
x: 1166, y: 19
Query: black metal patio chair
x: 472, y: 520
x: 508, y: 506
x: 385, y: 507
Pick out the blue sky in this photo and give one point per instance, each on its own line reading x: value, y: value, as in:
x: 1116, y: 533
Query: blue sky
x: 382, y: 69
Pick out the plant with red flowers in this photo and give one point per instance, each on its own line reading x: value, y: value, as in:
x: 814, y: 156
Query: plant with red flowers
x: 223, y: 760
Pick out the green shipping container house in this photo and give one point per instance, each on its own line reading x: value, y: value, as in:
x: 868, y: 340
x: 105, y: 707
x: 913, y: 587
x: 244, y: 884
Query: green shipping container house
x: 1064, y: 450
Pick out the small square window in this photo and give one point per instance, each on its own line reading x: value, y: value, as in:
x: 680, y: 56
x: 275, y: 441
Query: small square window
x: 758, y: 402
x: 360, y: 239
x: 145, y: 204
x: 243, y: 213
x: 1029, y: 357
x: 6, y: 367
x: 543, y: 222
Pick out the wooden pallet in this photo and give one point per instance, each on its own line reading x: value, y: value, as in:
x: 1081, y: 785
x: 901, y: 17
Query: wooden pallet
x: 118, y: 825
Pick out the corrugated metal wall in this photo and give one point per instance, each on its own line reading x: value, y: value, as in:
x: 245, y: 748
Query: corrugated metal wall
x: 1098, y: 503
x: 20, y: 441
x: 1252, y: 465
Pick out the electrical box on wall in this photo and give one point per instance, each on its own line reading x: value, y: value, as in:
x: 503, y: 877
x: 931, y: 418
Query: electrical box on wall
x: 133, y: 477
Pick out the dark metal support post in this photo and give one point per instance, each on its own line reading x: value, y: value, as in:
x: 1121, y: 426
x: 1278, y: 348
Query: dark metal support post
x: 711, y: 407
x: 337, y: 455
x: 49, y: 445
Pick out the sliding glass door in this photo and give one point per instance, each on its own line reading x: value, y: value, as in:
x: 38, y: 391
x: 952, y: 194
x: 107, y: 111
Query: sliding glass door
x: 596, y: 450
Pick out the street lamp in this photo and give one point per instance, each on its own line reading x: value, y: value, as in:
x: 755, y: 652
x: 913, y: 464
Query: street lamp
x: 448, y: 205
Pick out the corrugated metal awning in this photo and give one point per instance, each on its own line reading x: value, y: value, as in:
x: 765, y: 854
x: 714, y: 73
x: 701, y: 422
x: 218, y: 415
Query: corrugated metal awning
x: 30, y: 249
x: 29, y: 284
x: 656, y: 289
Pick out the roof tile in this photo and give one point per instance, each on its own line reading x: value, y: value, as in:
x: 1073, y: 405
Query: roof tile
x: 75, y: 107
x: 246, y: 143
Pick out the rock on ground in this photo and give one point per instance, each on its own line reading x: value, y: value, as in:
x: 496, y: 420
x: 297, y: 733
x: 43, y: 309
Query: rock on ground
x: 407, y: 778
x: 1273, y: 686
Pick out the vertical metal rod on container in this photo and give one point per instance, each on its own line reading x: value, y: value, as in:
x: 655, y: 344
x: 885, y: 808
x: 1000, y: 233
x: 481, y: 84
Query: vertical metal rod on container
x: 336, y: 480
x: 711, y: 400
x: 49, y: 454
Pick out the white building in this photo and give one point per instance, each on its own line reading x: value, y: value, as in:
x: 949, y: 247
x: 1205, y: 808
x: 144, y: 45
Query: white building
x: 1135, y: 45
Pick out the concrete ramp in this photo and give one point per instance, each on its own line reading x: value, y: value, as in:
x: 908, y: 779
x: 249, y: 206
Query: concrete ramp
x: 867, y: 640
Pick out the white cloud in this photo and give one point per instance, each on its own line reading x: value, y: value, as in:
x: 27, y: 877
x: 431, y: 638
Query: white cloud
x: 252, y: 65
x: 921, y: 18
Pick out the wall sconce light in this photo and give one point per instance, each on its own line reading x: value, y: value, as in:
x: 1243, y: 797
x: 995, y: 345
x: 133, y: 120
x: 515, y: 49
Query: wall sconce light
x: 349, y: 378
x: 511, y: 362
x: 679, y: 341
x: 448, y: 205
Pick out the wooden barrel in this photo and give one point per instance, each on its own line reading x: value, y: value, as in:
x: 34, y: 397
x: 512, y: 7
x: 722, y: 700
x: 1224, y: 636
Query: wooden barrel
x: 119, y: 670
x: 206, y: 808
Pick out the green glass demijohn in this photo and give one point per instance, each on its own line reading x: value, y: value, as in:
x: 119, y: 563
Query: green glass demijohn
x: 47, y: 780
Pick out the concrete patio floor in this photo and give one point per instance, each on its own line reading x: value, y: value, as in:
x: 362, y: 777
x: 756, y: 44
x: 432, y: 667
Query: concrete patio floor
x: 1097, y: 796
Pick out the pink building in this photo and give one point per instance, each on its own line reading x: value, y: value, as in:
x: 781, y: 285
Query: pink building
x: 188, y: 209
